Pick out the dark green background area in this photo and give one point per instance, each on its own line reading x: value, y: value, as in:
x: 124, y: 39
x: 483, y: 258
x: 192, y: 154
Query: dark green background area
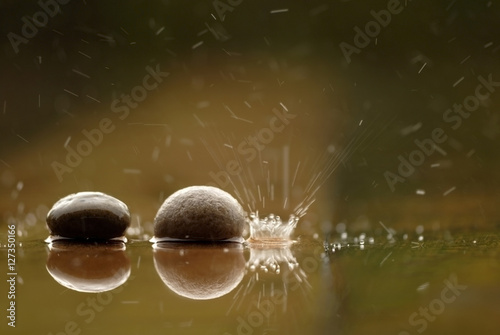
x: 381, y: 85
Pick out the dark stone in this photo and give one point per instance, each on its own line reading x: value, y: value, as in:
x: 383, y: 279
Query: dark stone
x: 88, y: 215
x: 200, y: 213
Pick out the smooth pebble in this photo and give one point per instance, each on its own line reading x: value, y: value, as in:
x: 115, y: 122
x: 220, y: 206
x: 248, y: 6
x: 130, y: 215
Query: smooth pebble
x: 88, y: 215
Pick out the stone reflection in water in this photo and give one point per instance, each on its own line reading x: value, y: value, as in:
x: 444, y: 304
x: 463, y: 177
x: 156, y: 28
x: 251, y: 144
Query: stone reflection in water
x: 200, y: 271
x: 88, y: 267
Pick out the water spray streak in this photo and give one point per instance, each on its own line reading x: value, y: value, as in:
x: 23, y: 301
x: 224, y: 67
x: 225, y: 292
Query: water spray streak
x: 254, y: 184
x: 327, y: 166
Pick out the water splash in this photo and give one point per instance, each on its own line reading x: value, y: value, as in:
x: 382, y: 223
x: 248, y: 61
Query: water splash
x: 271, y: 229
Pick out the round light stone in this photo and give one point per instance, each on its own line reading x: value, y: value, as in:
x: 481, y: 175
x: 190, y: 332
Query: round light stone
x: 200, y: 213
x: 200, y: 271
x: 88, y: 215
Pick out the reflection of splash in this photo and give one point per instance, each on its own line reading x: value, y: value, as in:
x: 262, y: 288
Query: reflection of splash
x: 271, y: 260
x: 271, y: 228
x: 272, y: 273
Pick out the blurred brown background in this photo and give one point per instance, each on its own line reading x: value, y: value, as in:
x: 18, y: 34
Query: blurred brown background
x: 225, y: 79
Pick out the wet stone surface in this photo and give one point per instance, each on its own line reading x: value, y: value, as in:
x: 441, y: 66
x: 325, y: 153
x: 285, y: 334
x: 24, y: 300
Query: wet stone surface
x: 88, y: 215
x: 200, y: 213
